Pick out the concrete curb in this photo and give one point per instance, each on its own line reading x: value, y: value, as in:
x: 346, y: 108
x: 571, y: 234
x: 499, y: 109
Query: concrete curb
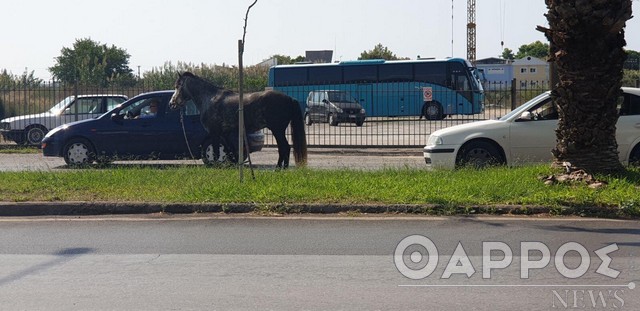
x: 109, y: 208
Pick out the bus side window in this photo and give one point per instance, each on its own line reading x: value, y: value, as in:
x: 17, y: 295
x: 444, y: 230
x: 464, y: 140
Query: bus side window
x: 293, y: 76
x: 360, y: 74
x: 325, y: 75
x: 431, y: 73
x: 395, y: 73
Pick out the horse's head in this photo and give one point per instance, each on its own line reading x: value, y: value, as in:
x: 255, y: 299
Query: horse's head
x: 181, y: 94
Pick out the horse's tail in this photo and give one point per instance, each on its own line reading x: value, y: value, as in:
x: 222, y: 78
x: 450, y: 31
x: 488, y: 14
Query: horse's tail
x: 298, y: 135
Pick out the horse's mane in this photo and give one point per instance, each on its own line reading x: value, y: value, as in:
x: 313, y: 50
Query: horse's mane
x: 201, y: 80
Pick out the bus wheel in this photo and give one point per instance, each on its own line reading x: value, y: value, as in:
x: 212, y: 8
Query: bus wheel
x: 432, y: 111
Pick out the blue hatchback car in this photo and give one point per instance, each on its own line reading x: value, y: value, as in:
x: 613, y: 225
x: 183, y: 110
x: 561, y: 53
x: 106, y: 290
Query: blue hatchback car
x: 144, y: 127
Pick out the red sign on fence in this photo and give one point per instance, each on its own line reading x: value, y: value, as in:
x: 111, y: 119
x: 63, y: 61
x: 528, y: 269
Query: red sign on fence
x: 427, y: 94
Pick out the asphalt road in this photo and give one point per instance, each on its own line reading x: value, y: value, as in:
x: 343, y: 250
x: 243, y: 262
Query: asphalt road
x: 321, y: 158
x: 213, y: 262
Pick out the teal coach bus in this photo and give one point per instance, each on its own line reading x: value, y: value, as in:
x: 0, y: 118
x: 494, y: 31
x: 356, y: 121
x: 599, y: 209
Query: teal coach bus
x: 433, y: 88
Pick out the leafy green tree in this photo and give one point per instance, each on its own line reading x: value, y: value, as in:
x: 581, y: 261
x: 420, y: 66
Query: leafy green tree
x: 286, y: 60
x: 27, y: 79
x: 89, y: 62
x: 535, y: 49
x: 630, y: 78
x: 6, y: 79
x: 255, y: 77
x: 632, y: 53
x: 508, y: 54
x: 378, y: 52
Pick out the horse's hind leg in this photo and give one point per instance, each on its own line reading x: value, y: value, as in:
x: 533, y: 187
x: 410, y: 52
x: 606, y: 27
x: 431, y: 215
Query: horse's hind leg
x: 284, y: 149
x: 229, y: 147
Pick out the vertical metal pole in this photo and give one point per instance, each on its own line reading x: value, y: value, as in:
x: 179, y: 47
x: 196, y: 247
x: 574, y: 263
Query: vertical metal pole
x: 241, y: 111
x: 513, y: 94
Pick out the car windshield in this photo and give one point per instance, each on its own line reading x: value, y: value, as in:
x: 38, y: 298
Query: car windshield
x: 523, y: 107
x: 341, y: 97
x: 59, y: 107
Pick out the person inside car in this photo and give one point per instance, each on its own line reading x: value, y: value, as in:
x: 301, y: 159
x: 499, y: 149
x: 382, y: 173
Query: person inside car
x: 153, y: 110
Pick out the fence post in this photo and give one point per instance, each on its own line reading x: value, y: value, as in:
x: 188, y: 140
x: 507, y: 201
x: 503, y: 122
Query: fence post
x: 513, y: 94
x: 75, y: 94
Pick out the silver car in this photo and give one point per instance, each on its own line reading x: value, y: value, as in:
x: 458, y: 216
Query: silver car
x: 525, y: 135
x: 31, y: 129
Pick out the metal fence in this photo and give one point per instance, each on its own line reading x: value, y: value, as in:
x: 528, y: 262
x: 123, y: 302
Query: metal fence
x: 379, y: 131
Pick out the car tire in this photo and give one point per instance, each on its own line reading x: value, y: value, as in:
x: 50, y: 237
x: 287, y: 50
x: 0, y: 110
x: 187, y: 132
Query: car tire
x: 432, y: 111
x: 634, y: 157
x: 35, y: 134
x: 479, y: 154
x: 359, y: 122
x: 307, y: 119
x: 333, y: 121
x: 79, y: 152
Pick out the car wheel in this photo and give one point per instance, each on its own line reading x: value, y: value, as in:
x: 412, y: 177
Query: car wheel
x: 307, y: 119
x: 333, y: 121
x: 479, y: 154
x: 359, y: 122
x: 35, y: 134
x: 79, y: 152
x: 432, y: 111
x: 634, y: 157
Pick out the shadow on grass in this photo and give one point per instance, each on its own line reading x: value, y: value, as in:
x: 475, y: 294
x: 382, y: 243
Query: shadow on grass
x: 162, y: 166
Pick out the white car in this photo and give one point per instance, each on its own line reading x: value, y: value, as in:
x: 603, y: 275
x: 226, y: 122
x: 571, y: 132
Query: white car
x: 524, y: 135
x: 30, y: 129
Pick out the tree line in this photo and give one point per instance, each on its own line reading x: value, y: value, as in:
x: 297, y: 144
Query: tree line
x: 92, y: 63
x: 89, y: 62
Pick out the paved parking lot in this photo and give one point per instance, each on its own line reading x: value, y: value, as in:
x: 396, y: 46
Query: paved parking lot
x: 319, y: 158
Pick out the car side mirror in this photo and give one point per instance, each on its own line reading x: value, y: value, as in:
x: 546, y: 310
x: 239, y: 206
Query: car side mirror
x: 325, y: 101
x: 117, y: 118
x: 526, y: 116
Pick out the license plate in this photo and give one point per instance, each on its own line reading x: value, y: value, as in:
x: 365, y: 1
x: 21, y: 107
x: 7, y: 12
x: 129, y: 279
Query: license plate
x: 352, y: 116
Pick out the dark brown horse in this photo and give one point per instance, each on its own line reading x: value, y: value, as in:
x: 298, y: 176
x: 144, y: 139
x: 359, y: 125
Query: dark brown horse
x: 219, y: 114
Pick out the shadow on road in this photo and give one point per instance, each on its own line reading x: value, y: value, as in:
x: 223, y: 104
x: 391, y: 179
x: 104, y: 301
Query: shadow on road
x: 62, y: 257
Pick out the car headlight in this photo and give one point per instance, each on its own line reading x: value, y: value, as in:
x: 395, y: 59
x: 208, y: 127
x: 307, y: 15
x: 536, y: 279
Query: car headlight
x: 434, y: 140
x: 362, y: 111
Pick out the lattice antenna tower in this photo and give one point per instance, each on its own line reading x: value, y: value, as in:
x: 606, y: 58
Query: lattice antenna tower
x: 471, y: 31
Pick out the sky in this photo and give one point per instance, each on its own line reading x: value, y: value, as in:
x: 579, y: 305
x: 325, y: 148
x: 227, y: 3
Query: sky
x: 207, y: 31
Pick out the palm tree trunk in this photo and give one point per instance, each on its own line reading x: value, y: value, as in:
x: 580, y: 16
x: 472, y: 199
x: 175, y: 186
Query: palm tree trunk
x: 587, y: 40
